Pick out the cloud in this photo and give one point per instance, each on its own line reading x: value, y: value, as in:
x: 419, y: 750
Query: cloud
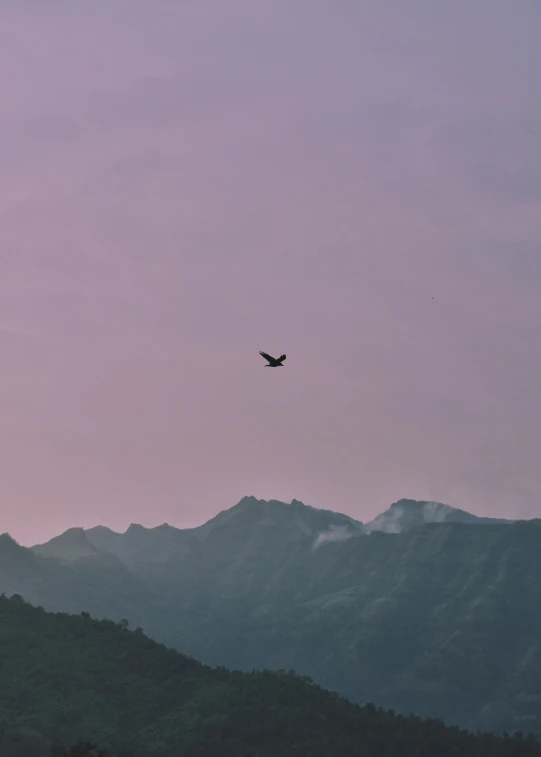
x: 334, y: 533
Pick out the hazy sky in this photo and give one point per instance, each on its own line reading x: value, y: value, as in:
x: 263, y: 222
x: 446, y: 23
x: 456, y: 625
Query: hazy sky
x: 356, y: 183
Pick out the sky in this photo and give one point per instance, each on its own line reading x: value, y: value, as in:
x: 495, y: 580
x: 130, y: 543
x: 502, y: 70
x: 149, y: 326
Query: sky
x: 355, y: 183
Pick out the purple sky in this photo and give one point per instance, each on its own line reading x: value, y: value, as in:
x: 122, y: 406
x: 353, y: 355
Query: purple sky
x: 184, y: 184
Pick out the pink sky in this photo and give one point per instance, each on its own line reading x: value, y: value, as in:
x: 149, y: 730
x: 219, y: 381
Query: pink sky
x: 184, y: 184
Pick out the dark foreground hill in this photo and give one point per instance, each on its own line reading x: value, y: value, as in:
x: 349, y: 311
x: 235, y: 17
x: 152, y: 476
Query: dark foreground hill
x: 442, y: 619
x: 65, y: 678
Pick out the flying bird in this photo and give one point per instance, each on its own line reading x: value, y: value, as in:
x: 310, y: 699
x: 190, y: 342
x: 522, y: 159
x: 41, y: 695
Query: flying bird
x: 273, y: 362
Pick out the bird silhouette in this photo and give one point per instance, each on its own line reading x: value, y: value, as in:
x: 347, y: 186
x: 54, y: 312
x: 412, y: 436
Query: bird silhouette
x: 274, y: 362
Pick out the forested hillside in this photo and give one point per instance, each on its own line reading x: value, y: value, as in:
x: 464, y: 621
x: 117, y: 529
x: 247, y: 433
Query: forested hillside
x: 67, y: 678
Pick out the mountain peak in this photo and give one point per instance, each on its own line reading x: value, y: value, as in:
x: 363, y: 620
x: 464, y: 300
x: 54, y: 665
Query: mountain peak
x: 294, y: 521
x: 100, y: 530
x: 247, y: 501
x: 414, y: 503
x: 103, y: 538
x: 70, y: 545
x: 15, y: 561
x: 7, y: 541
x: 409, y: 513
x: 11, y: 549
x: 135, y: 528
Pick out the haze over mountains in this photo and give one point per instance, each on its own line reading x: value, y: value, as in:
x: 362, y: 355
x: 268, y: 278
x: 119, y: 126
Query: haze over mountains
x: 439, y: 616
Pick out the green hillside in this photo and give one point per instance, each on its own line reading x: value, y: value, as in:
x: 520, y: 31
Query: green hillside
x: 65, y: 678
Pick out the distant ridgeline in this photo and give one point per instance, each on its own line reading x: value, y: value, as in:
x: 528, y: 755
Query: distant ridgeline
x: 426, y: 609
x: 69, y: 678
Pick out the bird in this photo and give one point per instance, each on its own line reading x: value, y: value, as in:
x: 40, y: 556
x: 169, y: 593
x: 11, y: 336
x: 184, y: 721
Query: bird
x: 274, y: 362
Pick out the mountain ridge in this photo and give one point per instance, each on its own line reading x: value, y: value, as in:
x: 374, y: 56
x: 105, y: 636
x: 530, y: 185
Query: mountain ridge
x: 407, y: 513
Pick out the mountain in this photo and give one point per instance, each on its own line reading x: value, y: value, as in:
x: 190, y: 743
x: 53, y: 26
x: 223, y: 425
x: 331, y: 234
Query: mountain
x: 141, y: 547
x: 17, y: 564
x: 68, y: 678
x: 442, y: 619
x: 273, y: 520
x: 69, y: 546
x: 410, y: 513
x: 297, y: 520
x: 97, y: 581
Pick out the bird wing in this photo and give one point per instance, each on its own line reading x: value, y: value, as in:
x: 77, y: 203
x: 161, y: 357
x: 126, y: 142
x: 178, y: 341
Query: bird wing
x: 281, y: 358
x: 267, y: 357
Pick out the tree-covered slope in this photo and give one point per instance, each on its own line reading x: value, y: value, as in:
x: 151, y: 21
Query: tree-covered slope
x: 72, y: 677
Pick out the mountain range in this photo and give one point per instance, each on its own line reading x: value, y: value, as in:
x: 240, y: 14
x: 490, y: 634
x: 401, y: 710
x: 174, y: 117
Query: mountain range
x: 73, y: 679
x: 427, y: 609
